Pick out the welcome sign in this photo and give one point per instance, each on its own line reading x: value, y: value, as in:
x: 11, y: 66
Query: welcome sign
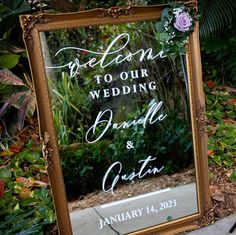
x: 121, y: 111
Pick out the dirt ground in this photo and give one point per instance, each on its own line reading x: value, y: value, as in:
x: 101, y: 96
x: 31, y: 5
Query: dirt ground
x: 223, y: 192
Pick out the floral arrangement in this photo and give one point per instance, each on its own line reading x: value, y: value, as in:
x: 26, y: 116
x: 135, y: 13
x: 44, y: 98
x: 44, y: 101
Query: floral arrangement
x: 174, y: 28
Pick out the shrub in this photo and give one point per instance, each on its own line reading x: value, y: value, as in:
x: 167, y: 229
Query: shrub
x: 25, y: 199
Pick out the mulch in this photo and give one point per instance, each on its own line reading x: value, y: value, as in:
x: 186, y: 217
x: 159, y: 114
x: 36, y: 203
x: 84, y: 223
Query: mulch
x: 223, y: 191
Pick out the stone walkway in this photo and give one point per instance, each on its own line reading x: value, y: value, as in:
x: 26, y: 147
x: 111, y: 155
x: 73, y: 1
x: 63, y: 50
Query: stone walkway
x: 136, y: 213
x: 221, y: 227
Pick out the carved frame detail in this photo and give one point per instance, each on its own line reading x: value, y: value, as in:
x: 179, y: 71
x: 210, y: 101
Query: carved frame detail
x: 201, y: 119
x: 115, y: 12
x: 28, y: 23
x: 47, y: 151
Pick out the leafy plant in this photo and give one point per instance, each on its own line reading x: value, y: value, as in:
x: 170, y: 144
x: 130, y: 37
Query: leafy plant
x: 25, y: 200
x: 221, y: 113
x: 20, y: 95
x: 217, y: 23
x: 216, y: 16
x: 69, y: 109
x: 221, y: 144
x: 220, y: 56
x: 16, y: 93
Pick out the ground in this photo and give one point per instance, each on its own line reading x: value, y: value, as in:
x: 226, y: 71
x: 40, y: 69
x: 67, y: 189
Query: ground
x: 222, y: 189
x: 223, y: 192
x: 132, y: 189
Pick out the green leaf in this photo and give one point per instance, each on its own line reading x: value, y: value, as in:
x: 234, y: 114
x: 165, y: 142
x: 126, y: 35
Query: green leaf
x: 159, y: 26
x: 216, y: 15
x: 216, y: 159
x: 5, y: 89
x: 36, y: 229
x: 228, y: 162
x: 165, y: 14
x: 18, y: 8
x: 211, y: 143
x: 182, y: 50
x: 41, y: 193
x: 217, y: 114
x: 32, y: 157
x: 14, y: 4
x: 30, y: 143
x: 230, y: 107
x: 233, y: 176
x: 164, y: 37
x: 231, y: 114
x: 9, y: 61
x: 3, y: 11
x: 5, y: 173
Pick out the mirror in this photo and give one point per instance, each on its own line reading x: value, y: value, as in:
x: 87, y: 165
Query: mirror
x: 122, y: 114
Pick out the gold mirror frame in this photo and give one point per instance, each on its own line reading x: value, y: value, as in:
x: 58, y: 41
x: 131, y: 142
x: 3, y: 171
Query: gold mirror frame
x: 34, y: 24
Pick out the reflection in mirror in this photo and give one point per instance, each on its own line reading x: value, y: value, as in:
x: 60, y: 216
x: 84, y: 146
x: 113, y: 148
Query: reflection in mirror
x: 122, y: 115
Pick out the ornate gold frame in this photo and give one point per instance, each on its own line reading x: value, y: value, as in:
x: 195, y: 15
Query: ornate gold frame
x: 34, y: 24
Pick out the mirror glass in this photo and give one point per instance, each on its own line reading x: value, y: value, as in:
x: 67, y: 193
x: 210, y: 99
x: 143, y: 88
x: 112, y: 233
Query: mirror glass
x: 122, y: 117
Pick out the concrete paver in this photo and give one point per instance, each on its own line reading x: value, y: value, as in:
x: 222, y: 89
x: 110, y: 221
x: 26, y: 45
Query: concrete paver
x: 221, y: 227
x: 136, y: 213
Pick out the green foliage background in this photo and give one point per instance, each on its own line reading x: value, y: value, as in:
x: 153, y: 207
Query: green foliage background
x: 26, y: 205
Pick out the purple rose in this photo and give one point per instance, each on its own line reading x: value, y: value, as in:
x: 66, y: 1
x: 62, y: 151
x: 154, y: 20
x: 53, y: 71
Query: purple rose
x: 183, y: 22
